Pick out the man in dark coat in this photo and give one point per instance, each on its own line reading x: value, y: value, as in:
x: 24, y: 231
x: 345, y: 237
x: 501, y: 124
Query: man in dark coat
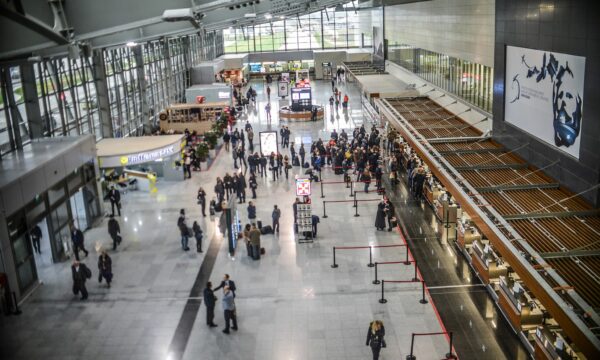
x: 209, y: 301
x: 80, y: 274
x: 115, y: 199
x: 390, y: 211
x: 36, y: 235
x: 113, y: 230
x: 380, y: 217
x: 77, y: 239
x: 227, y: 282
x: 241, y: 188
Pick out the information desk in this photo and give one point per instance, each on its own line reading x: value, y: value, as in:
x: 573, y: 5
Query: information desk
x: 160, y: 155
x: 286, y: 113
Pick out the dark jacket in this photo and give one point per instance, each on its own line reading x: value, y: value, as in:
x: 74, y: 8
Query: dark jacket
x: 114, y: 195
x: 113, y: 227
x: 376, y: 339
x: 77, y: 237
x: 223, y: 284
x: 80, y: 276
x: 105, y: 264
x: 209, y: 298
x: 251, y: 212
x: 197, y: 230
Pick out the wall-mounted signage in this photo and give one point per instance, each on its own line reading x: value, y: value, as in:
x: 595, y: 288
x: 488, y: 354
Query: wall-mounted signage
x: 147, y: 156
x: 544, y: 96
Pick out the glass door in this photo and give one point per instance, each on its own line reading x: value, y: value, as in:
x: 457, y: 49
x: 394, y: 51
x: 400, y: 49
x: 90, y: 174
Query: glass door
x: 22, y: 251
x: 61, y: 238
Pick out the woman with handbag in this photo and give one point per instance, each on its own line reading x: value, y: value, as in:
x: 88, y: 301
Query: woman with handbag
x: 105, y: 268
x: 375, y: 338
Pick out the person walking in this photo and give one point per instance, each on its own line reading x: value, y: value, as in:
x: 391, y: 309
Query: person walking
x: 263, y: 165
x: 286, y: 166
x: 226, y: 139
x: 202, y: 200
x: 77, y: 239
x: 241, y: 188
x: 115, y: 199
x: 198, y: 236
x: 229, y: 309
x: 227, y: 282
x: 275, y: 215
x: 80, y: 274
x: 250, y: 134
x: 268, y: 93
x: 255, y: 241
x: 210, y: 300
x: 113, y: 230
x: 268, y: 111
x: 375, y: 338
x: 36, y: 236
x: 105, y: 268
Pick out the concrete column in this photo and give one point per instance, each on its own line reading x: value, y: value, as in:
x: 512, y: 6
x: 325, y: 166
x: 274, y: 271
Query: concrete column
x: 141, y: 78
x: 32, y: 105
x: 99, y: 73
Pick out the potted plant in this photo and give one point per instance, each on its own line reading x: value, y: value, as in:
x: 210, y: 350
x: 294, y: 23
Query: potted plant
x: 210, y: 137
x: 202, y: 151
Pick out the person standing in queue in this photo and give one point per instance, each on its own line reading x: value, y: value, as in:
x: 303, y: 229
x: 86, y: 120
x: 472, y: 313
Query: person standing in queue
x: 375, y: 338
x: 302, y: 153
x: 202, y: 200
x: 210, y: 300
x: 113, y: 230
x: 115, y: 199
x: 275, y: 215
x: 80, y: 274
x: 36, y: 236
x: 229, y: 309
x: 105, y: 268
x: 77, y: 239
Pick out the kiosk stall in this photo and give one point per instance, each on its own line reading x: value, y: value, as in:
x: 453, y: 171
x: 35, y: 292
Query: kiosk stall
x: 194, y: 117
x: 301, y: 107
x: 137, y: 162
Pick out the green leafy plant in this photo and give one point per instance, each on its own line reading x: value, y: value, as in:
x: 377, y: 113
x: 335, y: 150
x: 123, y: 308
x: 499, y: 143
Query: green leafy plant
x: 202, y: 151
x: 211, y: 139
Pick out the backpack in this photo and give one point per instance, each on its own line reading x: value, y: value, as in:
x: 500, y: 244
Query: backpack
x: 88, y: 272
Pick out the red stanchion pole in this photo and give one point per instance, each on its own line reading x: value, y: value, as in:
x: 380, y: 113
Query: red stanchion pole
x: 416, y: 278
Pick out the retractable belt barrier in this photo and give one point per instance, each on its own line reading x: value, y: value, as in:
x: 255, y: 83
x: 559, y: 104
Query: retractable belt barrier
x: 348, y: 184
x: 406, y: 262
x: 370, y: 264
x: 383, y: 300
x: 449, y: 355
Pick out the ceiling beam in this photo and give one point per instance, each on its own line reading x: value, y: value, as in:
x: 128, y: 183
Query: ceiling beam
x: 517, y: 187
x: 559, y: 214
x: 491, y: 167
x: 570, y: 253
x: 473, y: 151
x: 33, y: 23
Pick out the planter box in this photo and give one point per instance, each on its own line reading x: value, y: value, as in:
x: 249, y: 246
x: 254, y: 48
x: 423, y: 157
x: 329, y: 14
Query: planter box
x: 212, y: 153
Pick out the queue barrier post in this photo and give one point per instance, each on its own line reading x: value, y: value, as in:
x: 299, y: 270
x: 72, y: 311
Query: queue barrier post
x: 322, y: 195
x: 370, y: 264
x: 411, y: 356
x: 382, y: 300
x: 356, y: 214
x: 407, y: 261
x: 351, y: 188
x: 415, y: 278
x: 334, y: 265
x: 450, y: 354
x: 324, y: 210
x: 423, y: 299
x: 376, y: 282
x: 355, y: 204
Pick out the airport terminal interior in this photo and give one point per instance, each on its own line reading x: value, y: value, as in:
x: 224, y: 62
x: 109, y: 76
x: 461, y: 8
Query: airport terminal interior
x: 290, y: 180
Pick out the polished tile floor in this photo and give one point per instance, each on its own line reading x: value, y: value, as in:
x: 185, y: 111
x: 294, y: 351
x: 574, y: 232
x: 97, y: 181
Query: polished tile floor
x: 291, y: 304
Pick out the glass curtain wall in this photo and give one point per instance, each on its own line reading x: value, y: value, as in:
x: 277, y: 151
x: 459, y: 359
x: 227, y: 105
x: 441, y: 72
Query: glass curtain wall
x: 66, y: 89
x: 324, y: 29
x: 470, y: 81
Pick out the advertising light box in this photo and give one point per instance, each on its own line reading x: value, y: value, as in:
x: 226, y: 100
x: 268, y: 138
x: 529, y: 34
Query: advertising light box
x: 268, y: 142
x: 544, y: 96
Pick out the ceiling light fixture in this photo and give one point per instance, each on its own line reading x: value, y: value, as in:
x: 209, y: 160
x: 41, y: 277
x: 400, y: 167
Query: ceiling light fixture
x: 268, y: 16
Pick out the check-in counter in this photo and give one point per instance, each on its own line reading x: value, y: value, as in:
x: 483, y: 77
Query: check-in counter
x: 432, y: 192
x: 520, y: 309
x: 446, y: 211
x: 487, y: 263
x: 466, y: 234
x: 550, y: 345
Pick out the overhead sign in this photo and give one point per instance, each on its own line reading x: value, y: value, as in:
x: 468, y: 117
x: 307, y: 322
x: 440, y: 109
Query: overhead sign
x: 268, y: 142
x: 303, y: 187
x: 544, y: 96
x: 147, y: 156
